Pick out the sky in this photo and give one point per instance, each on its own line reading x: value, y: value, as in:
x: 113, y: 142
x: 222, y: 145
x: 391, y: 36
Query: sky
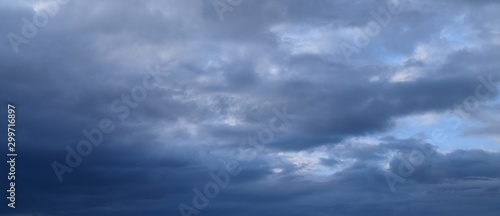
x: 252, y: 107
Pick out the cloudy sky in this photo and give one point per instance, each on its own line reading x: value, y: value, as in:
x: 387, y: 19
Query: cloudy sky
x: 252, y: 107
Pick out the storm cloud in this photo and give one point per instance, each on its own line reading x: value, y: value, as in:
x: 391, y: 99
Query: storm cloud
x: 315, y: 102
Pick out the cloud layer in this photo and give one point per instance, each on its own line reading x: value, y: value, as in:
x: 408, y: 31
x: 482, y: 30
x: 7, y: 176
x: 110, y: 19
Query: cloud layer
x: 221, y: 84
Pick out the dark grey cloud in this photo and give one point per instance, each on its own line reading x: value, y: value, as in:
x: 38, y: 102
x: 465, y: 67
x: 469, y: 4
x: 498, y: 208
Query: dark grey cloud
x: 221, y: 82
